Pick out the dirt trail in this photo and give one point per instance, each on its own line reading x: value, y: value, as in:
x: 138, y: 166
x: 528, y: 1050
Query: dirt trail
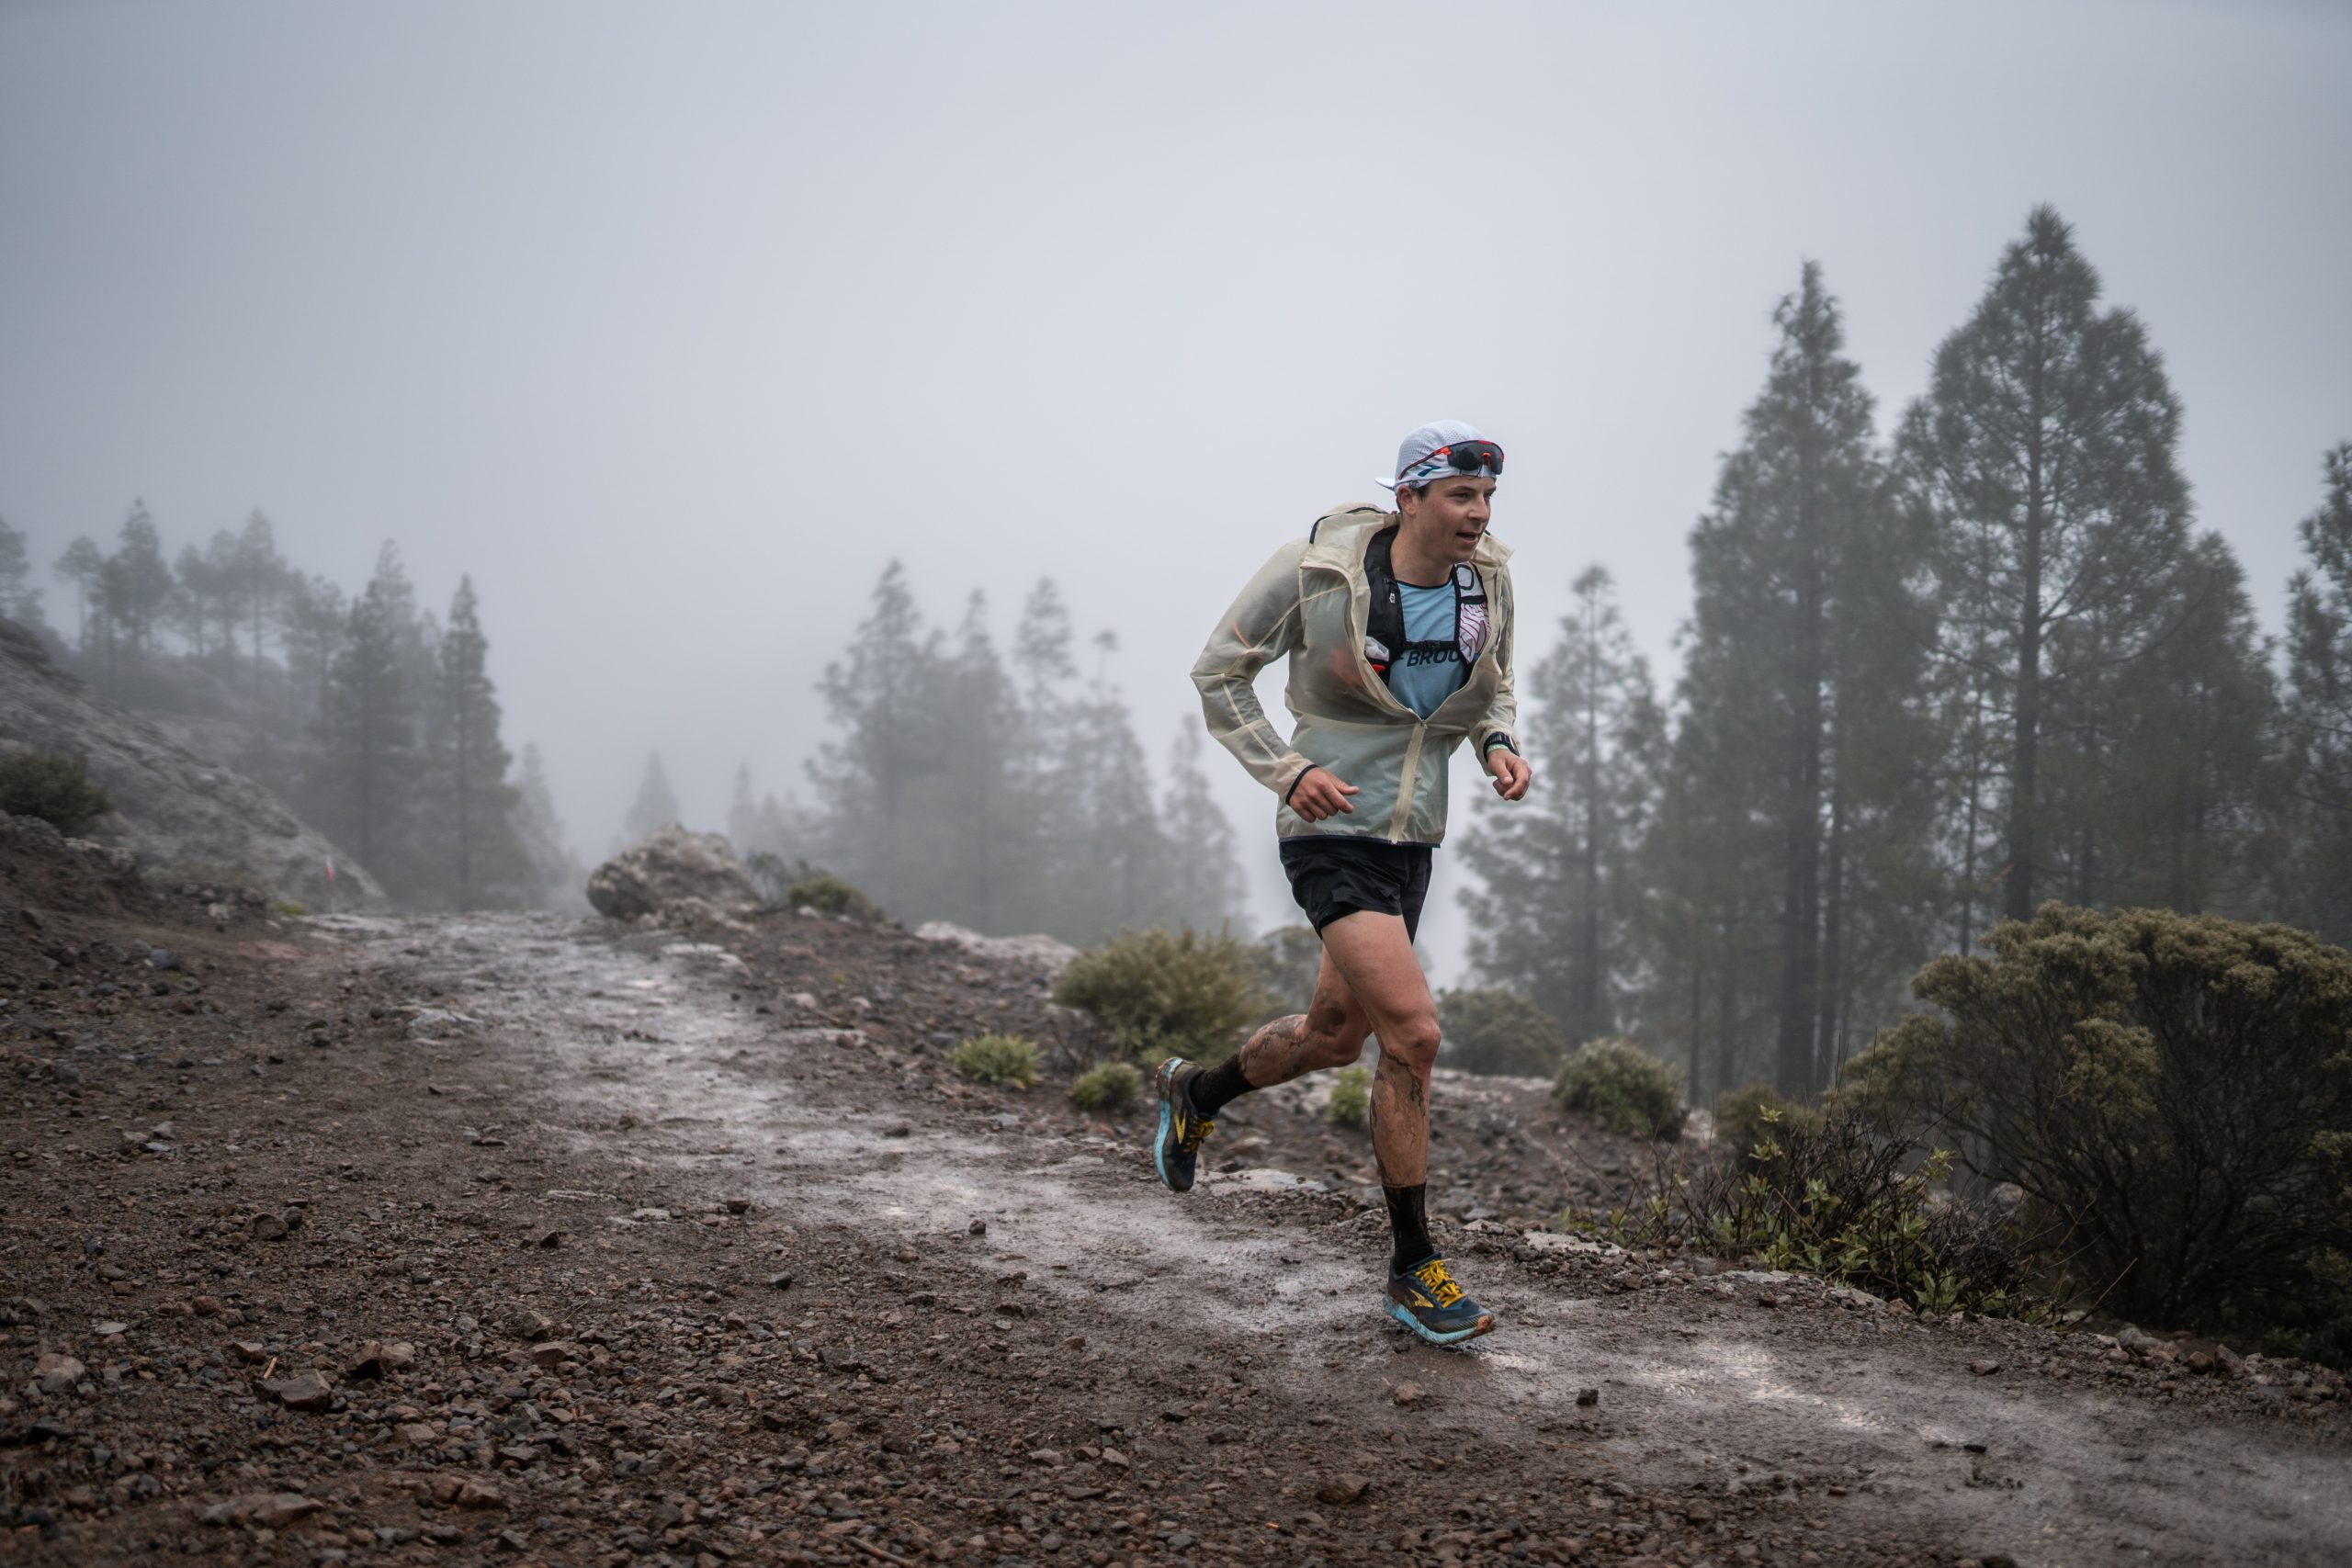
x: 1867, y: 1435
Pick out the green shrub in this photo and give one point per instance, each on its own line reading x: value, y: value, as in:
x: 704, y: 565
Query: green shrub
x: 1829, y: 1195
x: 829, y: 895
x: 54, y: 788
x: 1351, y: 1097
x: 1498, y: 1032
x: 1157, y: 994
x: 1622, y: 1087
x: 1109, y: 1087
x: 2172, y: 1085
x: 1747, y: 1116
x: 996, y: 1058
x: 290, y: 907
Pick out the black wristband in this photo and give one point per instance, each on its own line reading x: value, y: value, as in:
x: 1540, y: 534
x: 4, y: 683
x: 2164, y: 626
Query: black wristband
x: 1498, y: 738
x: 1294, y: 783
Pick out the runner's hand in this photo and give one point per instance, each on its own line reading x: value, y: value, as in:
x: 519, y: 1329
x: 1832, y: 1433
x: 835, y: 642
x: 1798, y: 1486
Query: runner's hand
x: 1320, y: 794
x: 1510, y: 772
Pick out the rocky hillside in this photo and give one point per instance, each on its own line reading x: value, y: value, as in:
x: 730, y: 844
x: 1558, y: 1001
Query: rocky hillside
x: 174, y: 810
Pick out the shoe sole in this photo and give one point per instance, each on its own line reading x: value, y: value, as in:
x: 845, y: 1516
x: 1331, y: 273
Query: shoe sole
x: 1404, y: 1316
x: 1160, y: 1144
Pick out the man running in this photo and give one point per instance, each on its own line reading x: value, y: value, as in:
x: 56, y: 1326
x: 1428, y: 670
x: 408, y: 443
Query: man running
x: 1397, y: 624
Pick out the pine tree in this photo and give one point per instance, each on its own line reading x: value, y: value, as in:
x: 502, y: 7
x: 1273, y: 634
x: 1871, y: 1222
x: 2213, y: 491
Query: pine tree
x: 1803, y: 657
x: 557, y: 880
x: 84, y: 565
x: 873, y: 777
x: 202, y: 600
x: 472, y: 806
x: 369, y: 734
x: 2161, y: 775
x: 1711, y: 914
x: 2043, y: 454
x: 258, y: 580
x: 762, y: 825
x: 655, y: 806
x: 1113, y: 859
x: 2317, y: 718
x: 19, y: 602
x: 137, y: 582
x: 1553, y: 919
x: 1204, y: 888
x: 312, y: 618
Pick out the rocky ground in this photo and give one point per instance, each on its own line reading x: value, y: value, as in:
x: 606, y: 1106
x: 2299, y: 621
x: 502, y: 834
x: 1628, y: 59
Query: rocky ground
x: 437, y: 1240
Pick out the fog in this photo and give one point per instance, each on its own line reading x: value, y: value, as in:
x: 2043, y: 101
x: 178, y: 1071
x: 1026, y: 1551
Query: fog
x: 671, y: 327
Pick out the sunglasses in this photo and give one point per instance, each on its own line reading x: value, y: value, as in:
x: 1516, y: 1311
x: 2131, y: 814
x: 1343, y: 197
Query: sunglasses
x: 1469, y: 456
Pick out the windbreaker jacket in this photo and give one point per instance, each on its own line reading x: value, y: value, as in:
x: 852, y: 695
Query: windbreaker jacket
x: 1312, y: 602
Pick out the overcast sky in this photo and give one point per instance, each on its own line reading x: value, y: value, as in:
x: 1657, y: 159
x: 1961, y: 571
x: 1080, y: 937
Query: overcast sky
x: 671, y: 324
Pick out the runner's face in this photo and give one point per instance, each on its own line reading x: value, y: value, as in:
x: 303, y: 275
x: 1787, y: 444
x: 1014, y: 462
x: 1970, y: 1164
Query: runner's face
x: 1451, y: 515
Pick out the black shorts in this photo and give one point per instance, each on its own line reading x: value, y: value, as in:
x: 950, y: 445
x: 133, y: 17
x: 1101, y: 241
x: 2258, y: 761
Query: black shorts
x: 1331, y: 876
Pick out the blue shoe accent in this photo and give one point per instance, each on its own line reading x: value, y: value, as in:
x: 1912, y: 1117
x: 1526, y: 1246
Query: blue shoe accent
x: 1427, y: 1300
x: 1182, y: 1129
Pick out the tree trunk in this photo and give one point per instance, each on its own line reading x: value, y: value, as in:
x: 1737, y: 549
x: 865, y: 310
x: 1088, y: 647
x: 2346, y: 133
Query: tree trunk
x: 2025, y: 743
x: 1800, y: 872
x: 1698, y: 1014
x: 1825, y: 1052
x: 464, y: 818
x: 1725, y: 991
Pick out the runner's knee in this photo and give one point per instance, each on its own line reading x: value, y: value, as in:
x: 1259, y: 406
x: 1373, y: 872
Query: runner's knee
x: 1414, y: 1045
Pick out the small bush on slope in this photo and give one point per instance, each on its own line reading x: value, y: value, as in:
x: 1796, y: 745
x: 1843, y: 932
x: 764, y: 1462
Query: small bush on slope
x: 996, y: 1058
x: 1109, y: 1087
x: 1350, y: 1098
x: 1157, y: 994
x: 1622, y: 1087
x: 1496, y: 1031
x: 56, y: 789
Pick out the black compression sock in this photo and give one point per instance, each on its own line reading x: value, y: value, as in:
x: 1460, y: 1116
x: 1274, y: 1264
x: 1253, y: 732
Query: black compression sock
x: 1210, y: 1090
x: 1409, y: 1227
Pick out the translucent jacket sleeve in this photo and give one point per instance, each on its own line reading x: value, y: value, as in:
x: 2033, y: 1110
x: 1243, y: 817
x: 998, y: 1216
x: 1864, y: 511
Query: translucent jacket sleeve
x: 1261, y: 626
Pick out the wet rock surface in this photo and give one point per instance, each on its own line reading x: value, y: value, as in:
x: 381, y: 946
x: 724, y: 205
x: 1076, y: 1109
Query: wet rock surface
x: 670, y: 872
x: 173, y: 807
x: 777, y: 1323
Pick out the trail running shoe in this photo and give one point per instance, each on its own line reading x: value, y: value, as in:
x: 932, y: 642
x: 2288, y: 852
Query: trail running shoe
x: 1426, y: 1300
x: 1183, y: 1130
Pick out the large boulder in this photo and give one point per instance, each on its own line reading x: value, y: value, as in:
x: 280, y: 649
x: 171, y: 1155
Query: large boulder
x: 176, y: 813
x: 671, y: 870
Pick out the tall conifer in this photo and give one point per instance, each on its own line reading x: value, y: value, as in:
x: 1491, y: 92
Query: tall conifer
x: 2316, y: 881
x: 2044, y: 452
x: 1557, y: 912
x: 1804, y: 664
x: 472, y: 804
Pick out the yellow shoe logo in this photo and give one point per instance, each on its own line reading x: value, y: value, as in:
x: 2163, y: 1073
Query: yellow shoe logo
x: 1439, y: 1282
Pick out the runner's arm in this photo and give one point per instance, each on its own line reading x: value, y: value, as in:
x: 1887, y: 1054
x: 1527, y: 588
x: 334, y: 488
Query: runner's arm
x: 1499, y: 724
x: 1261, y: 626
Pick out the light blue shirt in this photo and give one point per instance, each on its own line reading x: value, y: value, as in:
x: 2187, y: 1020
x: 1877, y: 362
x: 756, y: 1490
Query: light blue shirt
x: 1429, y: 668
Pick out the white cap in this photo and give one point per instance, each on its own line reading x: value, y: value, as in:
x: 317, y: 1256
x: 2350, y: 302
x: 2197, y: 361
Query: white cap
x: 1423, y: 455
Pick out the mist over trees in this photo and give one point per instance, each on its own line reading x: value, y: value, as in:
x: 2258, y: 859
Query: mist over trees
x: 1000, y: 788
x: 379, y: 722
x: 1929, y: 681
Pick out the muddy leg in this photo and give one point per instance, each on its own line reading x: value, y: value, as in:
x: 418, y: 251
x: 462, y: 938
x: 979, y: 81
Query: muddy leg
x: 1376, y: 957
x: 1329, y: 1033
